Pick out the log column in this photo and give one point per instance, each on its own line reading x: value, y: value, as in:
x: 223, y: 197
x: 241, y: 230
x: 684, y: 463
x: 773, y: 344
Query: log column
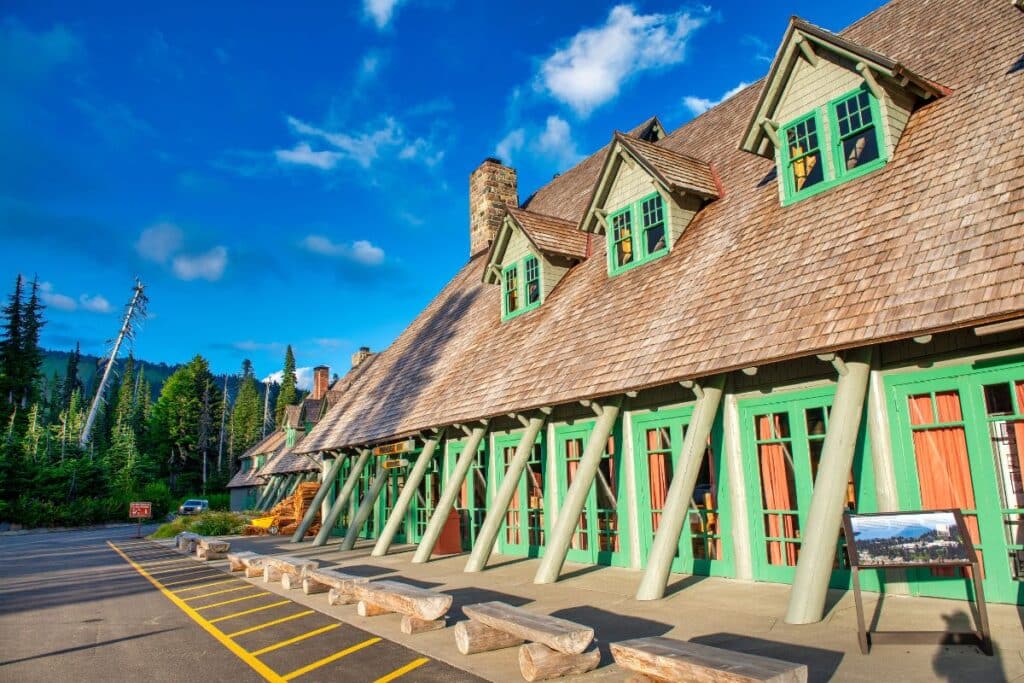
x: 412, y: 482
x: 331, y: 518
x: 491, y: 527
x: 680, y: 492
x: 448, y: 495
x: 576, y: 496
x: 318, y: 499
x: 364, y: 509
x: 820, y: 537
x: 268, y: 490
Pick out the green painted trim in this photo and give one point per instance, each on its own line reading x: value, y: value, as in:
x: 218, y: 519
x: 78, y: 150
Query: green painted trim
x: 831, y: 148
x: 523, y: 548
x: 519, y: 267
x: 640, y: 254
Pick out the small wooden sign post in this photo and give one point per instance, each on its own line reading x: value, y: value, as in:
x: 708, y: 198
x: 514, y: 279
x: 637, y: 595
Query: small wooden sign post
x: 140, y: 511
x: 914, y: 540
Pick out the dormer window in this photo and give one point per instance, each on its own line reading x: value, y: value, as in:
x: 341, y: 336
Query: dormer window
x: 521, y: 283
x: 857, y: 140
x: 629, y: 247
x: 531, y: 266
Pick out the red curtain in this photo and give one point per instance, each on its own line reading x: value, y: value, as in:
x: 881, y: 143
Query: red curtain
x: 776, y: 485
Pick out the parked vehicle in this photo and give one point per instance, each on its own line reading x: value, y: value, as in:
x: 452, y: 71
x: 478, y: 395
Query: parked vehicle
x: 193, y: 506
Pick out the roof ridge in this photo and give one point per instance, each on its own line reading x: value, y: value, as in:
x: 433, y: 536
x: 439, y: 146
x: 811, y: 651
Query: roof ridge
x: 538, y: 213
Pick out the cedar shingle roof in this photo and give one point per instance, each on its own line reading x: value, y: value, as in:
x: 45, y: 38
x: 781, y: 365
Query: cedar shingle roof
x: 550, y: 234
x: 270, y: 445
x: 290, y: 461
x: 933, y: 241
x: 677, y: 171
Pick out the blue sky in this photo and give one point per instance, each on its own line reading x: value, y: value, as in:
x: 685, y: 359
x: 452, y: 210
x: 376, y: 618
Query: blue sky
x: 300, y: 175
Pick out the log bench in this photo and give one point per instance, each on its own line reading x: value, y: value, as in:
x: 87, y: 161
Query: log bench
x: 211, y: 548
x: 421, y: 609
x: 286, y: 569
x: 244, y: 561
x: 186, y: 541
x: 667, y: 659
x: 557, y: 647
x: 339, y: 586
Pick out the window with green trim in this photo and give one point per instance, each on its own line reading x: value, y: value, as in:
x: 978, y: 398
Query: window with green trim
x: 521, y: 287
x: 852, y: 143
x: 629, y: 247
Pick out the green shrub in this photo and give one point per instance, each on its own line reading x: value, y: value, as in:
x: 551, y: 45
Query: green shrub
x: 172, y: 528
x: 206, y: 524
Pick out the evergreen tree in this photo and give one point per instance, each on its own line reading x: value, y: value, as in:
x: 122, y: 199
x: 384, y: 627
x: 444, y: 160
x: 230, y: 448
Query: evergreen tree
x: 72, y: 382
x: 247, y: 415
x: 287, y: 395
x: 10, y: 349
x: 31, y: 355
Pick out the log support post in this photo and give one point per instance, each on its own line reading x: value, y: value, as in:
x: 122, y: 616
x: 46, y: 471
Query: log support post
x: 332, y: 516
x: 451, y: 490
x: 321, y: 495
x: 576, y: 496
x: 818, y: 545
x: 363, y: 513
x: 491, y: 527
x: 405, y: 496
x: 412, y: 625
x: 268, y: 490
x: 680, y: 492
x: 368, y: 609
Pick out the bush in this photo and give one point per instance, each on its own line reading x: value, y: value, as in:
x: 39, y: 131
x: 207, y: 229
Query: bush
x: 206, y: 524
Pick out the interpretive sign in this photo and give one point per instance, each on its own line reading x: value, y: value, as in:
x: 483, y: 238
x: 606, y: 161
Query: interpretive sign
x: 395, y: 448
x: 919, y: 539
x: 140, y: 511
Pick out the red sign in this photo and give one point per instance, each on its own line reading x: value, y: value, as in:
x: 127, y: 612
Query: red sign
x: 140, y: 510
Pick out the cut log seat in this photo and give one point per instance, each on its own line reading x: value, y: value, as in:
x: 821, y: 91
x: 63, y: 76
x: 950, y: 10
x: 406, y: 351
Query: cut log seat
x: 290, y: 565
x: 558, y: 634
x: 187, y: 540
x: 667, y: 659
x: 539, y: 662
x: 332, y: 578
x: 211, y: 548
x: 238, y: 561
x: 472, y: 637
x: 404, y: 598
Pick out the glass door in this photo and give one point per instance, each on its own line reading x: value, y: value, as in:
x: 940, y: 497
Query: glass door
x: 423, y: 503
x: 472, y: 501
x: 525, y: 524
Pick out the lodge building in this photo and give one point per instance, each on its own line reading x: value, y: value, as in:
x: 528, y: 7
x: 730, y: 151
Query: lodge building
x: 693, y: 351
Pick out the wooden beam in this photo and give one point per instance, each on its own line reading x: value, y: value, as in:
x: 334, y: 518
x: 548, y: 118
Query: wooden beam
x: 412, y: 481
x: 996, y: 328
x: 806, y: 50
x: 869, y: 78
x: 771, y: 129
x: 334, y: 513
x: 923, y: 339
x: 749, y: 372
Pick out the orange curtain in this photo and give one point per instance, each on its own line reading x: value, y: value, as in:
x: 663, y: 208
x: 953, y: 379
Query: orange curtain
x: 1018, y: 429
x: 778, y: 494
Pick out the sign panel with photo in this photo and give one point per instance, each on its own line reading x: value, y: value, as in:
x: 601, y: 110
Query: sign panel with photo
x: 908, y: 539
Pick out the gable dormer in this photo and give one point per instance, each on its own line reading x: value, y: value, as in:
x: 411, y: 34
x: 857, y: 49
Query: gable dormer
x: 830, y: 110
x: 645, y: 197
x: 529, y: 256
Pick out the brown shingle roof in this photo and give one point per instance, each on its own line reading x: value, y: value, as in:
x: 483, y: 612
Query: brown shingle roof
x: 270, y: 445
x: 933, y: 241
x: 290, y: 460
x: 550, y: 234
x: 677, y: 171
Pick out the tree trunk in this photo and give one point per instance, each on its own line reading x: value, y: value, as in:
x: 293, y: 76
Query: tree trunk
x: 472, y: 637
x: 405, y: 599
x: 368, y: 609
x: 558, y: 634
x: 539, y: 662
x: 411, y: 625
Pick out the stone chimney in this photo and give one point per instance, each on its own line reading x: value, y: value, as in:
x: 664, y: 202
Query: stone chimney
x: 321, y: 381
x: 492, y: 186
x: 361, y: 355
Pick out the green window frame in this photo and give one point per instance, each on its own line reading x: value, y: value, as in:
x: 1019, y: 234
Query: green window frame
x: 522, y: 287
x: 853, y: 125
x: 638, y: 233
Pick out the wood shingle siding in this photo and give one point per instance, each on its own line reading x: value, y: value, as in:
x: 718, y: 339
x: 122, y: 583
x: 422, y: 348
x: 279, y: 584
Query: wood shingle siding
x: 933, y: 241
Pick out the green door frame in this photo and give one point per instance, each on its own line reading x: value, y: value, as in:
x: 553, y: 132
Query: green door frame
x: 533, y: 523
x: 968, y: 381
x: 471, y: 517
x: 605, y: 525
x: 796, y: 405
x: 676, y: 420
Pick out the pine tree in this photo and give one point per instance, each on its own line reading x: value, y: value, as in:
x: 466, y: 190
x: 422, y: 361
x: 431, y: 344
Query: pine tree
x: 72, y: 382
x: 31, y: 356
x: 11, y: 346
x: 247, y: 415
x: 287, y: 395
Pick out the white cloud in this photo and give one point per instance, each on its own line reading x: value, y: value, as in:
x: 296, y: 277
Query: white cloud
x: 159, y: 242
x: 699, y: 105
x: 510, y: 144
x: 420, y: 149
x: 362, y: 148
x: 592, y: 67
x: 556, y: 141
x: 206, y: 266
x: 380, y: 11
x: 251, y: 345
x: 360, y: 251
x: 303, y: 378
x: 303, y: 155
x: 95, y: 304
x: 60, y: 302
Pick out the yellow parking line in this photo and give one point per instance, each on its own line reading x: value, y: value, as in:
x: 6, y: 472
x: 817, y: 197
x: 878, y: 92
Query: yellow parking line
x: 414, y: 664
x: 250, y: 611
x: 296, y: 639
x: 327, y: 660
x: 226, y: 590
x: 228, y: 602
x: 154, y: 564
x: 202, y: 585
x: 192, y: 580
x: 270, y: 623
x: 256, y: 665
x: 180, y: 570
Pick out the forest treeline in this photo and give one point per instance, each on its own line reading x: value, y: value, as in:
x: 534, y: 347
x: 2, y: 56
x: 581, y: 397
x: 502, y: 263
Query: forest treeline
x: 185, y: 442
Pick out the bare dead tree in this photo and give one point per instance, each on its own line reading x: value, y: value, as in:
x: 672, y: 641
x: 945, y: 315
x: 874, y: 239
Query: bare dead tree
x: 134, y: 313
x: 223, y: 427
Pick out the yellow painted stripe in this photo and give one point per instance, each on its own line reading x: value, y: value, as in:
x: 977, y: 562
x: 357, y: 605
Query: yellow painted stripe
x: 255, y: 664
x: 226, y: 590
x: 201, y: 585
x: 265, y: 624
x: 180, y: 570
x: 327, y: 660
x: 192, y: 580
x: 250, y: 611
x: 296, y: 639
x: 414, y: 664
x: 230, y: 602
x: 155, y: 564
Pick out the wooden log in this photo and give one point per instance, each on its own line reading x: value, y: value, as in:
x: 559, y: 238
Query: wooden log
x: 368, y: 609
x: 539, y: 662
x: 288, y: 581
x: 403, y: 598
x: 237, y: 561
x: 558, y: 634
x: 311, y: 587
x: 337, y: 597
x: 271, y: 573
x: 291, y: 565
x: 412, y: 625
x: 676, y: 660
x: 254, y: 571
x: 215, y: 545
x: 472, y: 637
x: 346, y: 583
x: 206, y: 554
